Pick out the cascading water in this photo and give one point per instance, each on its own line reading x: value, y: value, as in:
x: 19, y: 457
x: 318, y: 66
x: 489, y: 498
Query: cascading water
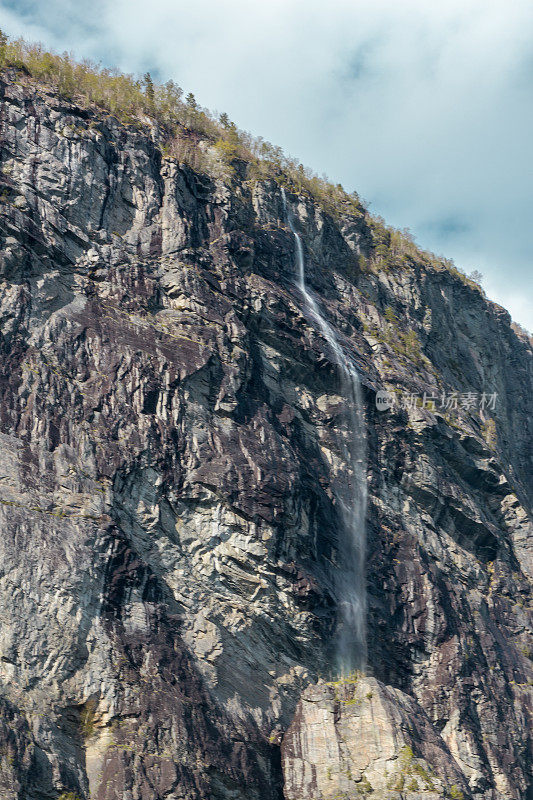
x: 350, y: 489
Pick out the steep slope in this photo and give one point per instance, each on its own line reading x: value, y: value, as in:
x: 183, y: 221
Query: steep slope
x: 170, y: 451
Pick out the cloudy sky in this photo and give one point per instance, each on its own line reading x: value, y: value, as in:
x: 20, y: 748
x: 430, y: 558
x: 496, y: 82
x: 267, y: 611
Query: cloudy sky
x: 425, y: 108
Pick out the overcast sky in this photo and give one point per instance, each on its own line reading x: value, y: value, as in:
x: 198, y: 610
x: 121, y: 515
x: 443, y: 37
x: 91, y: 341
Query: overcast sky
x: 425, y: 108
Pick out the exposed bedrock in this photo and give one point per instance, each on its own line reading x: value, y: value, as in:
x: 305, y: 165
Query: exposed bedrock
x: 170, y: 423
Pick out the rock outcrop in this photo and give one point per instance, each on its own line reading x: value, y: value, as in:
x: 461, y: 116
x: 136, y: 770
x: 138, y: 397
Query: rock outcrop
x: 169, y: 525
x: 357, y: 738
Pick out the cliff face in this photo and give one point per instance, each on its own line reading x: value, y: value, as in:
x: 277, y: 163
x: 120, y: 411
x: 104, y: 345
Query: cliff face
x: 169, y: 438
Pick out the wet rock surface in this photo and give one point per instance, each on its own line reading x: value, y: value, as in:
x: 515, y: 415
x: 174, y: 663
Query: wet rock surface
x: 169, y: 526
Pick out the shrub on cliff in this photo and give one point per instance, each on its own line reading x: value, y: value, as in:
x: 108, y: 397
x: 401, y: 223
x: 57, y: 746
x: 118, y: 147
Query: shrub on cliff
x: 191, y: 134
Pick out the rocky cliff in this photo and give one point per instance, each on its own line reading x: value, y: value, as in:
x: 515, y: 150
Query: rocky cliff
x: 170, y: 423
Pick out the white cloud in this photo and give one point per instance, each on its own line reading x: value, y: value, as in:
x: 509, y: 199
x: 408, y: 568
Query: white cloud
x: 424, y: 108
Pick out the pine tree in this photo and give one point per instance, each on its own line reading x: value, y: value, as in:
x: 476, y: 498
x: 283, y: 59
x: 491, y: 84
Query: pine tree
x: 3, y: 45
x: 149, y: 88
x: 191, y: 101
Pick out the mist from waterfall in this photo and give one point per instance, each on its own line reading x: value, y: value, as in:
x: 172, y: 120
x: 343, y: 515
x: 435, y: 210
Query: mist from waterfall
x: 350, y: 490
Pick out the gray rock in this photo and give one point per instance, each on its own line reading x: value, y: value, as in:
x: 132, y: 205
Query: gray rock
x: 355, y: 737
x: 169, y: 449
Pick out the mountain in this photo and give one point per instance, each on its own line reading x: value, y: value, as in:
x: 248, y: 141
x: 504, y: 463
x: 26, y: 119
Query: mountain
x: 178, y: 456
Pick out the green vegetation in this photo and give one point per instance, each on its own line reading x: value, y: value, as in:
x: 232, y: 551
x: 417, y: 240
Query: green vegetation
x: 526, y: 651
x: 87, y: 718
x: 149, y: 91
x: 404, y: 343
x: 407, y: 344
x: 397, y: 249
x: 411, y: 771
x: 489, y: 433
x: 68, y: 796
x: 390, y: 316
x: 455, y: 793
x: 347, y: 680
x: 214, y: 145
x: 397, y: 783
x: 345, y: 688
x: 406, y: 756
x: 393, y: 248
x: 364, y: 787
x: 183, y: 123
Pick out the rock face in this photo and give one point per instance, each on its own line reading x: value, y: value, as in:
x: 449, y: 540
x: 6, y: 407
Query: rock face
x: 357, y: 738
x: 169, y: 430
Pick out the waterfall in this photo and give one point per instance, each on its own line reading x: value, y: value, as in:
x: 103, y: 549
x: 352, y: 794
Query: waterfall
x: 350, y: 490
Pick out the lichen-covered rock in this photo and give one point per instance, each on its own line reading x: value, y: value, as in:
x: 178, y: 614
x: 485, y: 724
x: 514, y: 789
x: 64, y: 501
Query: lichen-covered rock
x: 355, y: 738
x: 169, y: 449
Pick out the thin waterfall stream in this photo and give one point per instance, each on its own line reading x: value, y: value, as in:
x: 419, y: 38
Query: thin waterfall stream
x: 350, y: 489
